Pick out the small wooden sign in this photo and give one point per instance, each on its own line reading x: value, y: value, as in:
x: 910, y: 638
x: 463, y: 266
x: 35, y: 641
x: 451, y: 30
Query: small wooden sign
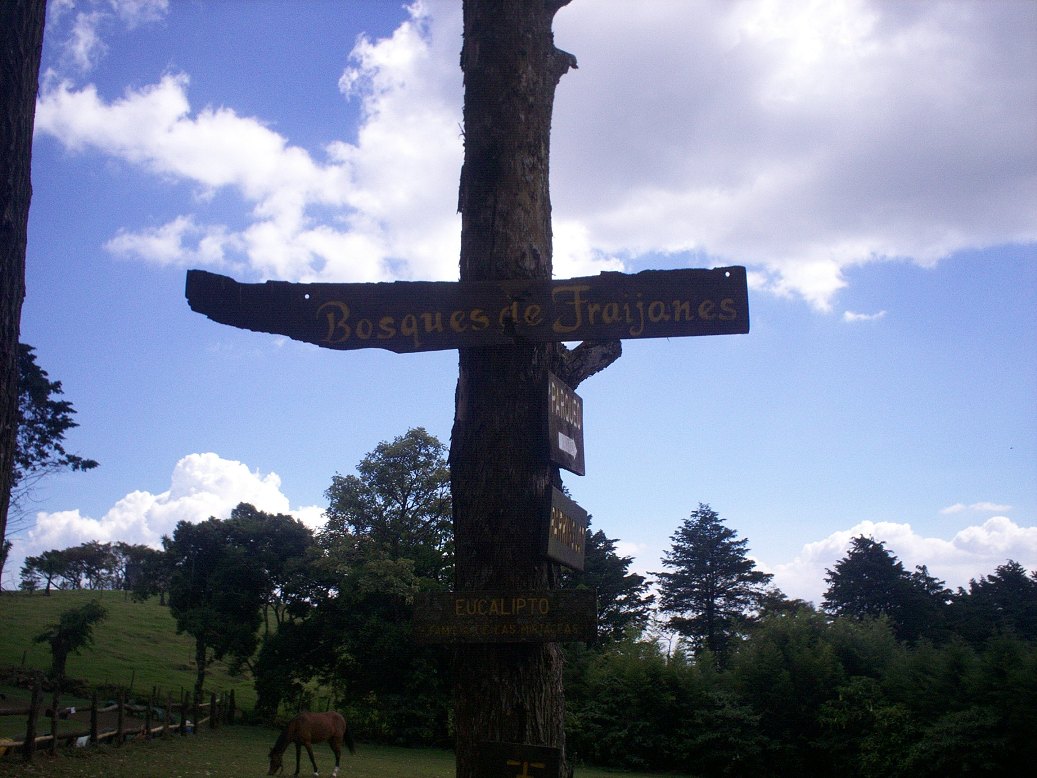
x: 566, y: 531
x: 518, y: 760
x: 557, y: 615
x: 409, y: 316
x: 565, y: 426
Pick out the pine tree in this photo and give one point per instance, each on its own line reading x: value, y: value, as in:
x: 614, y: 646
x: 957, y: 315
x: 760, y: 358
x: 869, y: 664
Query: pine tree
x: 870, y: 582
x: 712, y: 587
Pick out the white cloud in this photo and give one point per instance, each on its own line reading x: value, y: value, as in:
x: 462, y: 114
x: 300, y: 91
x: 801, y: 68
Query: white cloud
x: 180, y: 242
x: 801, y: 140
x: 852, y: 317
x: 201, y: 486
x: 978, y: 507
x: 972, y: 552
x: 82, y: 44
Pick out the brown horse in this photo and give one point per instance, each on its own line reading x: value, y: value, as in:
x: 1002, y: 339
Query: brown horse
x: 307, y: 729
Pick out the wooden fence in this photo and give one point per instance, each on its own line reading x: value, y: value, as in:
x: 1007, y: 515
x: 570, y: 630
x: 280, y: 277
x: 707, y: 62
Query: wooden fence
x: 152, y: 719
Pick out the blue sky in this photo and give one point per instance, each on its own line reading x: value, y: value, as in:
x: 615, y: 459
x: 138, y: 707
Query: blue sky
x: 872, y: 164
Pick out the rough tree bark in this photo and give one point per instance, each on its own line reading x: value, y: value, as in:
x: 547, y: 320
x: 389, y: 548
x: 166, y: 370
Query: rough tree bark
x: 21, y: 46
x: 498, y: 463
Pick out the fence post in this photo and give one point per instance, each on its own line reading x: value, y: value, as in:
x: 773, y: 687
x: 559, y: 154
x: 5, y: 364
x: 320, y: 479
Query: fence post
x: 54, y: 717
x: 93, y: 719
x: 196, y: 714
x: 212, y: 710
x: 34, y: 711
x: 169, y: 713
x: 147, y: 715
x: 120, y: 719
x: 183, y: 713
x: 230, y: 708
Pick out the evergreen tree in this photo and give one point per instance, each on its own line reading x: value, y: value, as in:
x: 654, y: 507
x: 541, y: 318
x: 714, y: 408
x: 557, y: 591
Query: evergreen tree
x: 870, y: 582
x: 624, y: 604
x: 1003, y: 603
x: 711, y: 587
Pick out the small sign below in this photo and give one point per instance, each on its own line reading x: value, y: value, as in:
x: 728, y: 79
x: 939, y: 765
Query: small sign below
x: 555, y: 615
x: 566, y: 531
x: 565, y: 426
x: 518, y: 760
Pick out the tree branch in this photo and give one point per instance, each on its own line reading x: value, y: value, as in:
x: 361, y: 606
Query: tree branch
x: 590, y: 357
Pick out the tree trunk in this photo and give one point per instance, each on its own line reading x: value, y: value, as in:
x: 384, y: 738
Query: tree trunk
x: 498, y: 463
x: 21, y: 46
x: 200, y: 650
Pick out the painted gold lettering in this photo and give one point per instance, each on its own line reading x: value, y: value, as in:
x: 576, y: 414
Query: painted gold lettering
x: 707, y: 310
x: 657, y: 312
x: 336, y: 313
x: 386, y: 327
x: 364, y: 328
x: 533, y: 316
x: 433, y: 321
x: 457, y: 321
x: 563, y: 324
x: 682, y: 310
x: 593, y: 309
x: 480, y: 320
x: 635, y: 331
x: 508, y: 313
x: 728, y: 312
x: 409, y: 328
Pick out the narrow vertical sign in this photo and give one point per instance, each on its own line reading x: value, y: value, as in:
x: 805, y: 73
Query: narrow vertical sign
x: 566, y: 531
x: 565, y: 426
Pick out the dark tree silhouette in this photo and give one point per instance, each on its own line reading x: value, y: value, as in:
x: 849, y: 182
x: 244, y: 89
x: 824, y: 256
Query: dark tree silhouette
x: 72, y: 633
x: 870, y: 582
x: 711, y: 587
x: 21, y: 47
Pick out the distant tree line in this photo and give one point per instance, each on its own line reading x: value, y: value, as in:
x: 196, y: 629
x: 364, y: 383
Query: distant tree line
x: 93, y: 565
x: 895, y: 674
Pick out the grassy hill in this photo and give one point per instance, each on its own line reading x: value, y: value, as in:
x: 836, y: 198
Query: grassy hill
x: 136, y: 644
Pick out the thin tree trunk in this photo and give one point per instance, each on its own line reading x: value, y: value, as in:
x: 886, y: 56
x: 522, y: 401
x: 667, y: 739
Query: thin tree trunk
x: 200, y: 650
x: 21, y: 46
x: 499, y: 470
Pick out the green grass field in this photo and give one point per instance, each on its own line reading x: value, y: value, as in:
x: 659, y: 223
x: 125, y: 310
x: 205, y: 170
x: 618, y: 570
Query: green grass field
x: 138, y: 642
x: 236, y: 752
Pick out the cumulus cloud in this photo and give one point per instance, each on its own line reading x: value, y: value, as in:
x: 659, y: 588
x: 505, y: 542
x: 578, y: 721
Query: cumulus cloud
x: 801, y: 139
x: 392, y: 194
x: 201, y: 486
x: 798, y: 139
x: 970, y: 553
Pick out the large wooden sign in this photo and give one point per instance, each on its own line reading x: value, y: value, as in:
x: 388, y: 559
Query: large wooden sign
x: 566, y: 531
x: 549, y: 616
x: 565, y: 426
x: 409, y: 316
x: 517, y: 760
